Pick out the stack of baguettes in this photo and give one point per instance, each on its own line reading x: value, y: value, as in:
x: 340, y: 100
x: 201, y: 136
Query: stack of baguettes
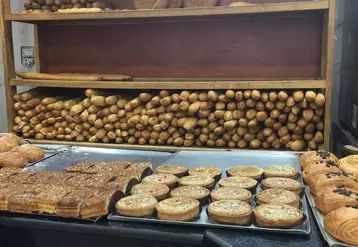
x: 87, y: 189
x: 333, y: 184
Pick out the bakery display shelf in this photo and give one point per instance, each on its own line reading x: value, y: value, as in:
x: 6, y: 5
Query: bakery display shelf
x: 224, y: 161
x: 182, y: 12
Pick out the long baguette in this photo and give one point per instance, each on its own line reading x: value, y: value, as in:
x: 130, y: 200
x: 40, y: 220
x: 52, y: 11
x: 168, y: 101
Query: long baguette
x: 66, y: 77
x: 104, y: 77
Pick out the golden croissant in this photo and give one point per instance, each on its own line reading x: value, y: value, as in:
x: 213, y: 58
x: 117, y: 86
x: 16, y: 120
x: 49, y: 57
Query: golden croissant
x: 349, y: 164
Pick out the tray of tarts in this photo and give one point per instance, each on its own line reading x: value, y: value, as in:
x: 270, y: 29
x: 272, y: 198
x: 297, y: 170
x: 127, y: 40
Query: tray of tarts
x: 221, y: 189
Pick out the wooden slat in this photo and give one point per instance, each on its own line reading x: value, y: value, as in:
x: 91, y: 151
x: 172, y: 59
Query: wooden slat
x: 173, y: 84
x: 40, y: 51
x: 259, y: 8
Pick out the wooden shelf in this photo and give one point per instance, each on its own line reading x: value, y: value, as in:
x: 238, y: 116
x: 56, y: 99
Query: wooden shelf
x: 129, y: 14
x: 170, y: 84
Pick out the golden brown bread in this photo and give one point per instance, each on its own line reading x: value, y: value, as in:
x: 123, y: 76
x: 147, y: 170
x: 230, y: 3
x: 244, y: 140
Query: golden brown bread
x: 331, y: 199
x: 13, y: 159
x: 312, y: 156
x: 8, y: 142
x: 31, y: 152
x: 319, y: 167
x: 230, y: 211
x: 349, y: 164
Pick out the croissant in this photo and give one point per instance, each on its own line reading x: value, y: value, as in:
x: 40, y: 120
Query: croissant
x: 313, y: 156
x: 31, y: 152
x: 342, y: 224
x: 13, y: 159
x: 331, y: 199
x: 319, y: 167
x: 349, y: 164
x: 8, y: 141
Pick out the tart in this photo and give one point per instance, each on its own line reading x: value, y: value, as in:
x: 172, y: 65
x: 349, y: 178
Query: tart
x: 239, y: 182
x: 245, y: 171
x: 178, y: 209
x: 282, y: 171
x: 282, y: 183
x: 159, y: 191
x: 196, y: 192
x: 230, y: 193
x: 167, y: 179
x: 279, y: 196
x: 197, y: 180
x: 136, y: 205
x: 211, y: 171
x: 230, y: 212
x: 177, y: 170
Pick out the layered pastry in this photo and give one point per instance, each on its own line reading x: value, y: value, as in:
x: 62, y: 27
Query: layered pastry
x: 21, y: 200
x: 13, y: 159
x: 239, y: 182
x: 231, y: 193
x: 136, y: 205
x: 311, y: 157
x: 245, y: 171
x: 178, y: 209
x: 196, y: 192
x: 94, y: 167
x: 342, y: 224
x: 230, y: 212
x: 331, y: 199
x: 123, y: 183
x: 6, y: 190
x: 6, y: 172
x: 282, y: 171
x: 211, y: 171
x: 59, y: 178
x: 278, y: 196
x: 177, y: 170
x: 76, y: 179
x: 31, y: 152
x: 282, y: 183
x: 349, y: 164
x: 277, y: 216
x: 159, y: 191
x: 21, y: 177
x: 139, y: 170
x: 97, y: 180
x: 167, y: 179
x: 197, y: 180
x: 320, y: 167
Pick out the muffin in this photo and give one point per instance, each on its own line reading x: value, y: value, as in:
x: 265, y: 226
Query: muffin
x: 278, y: 196
x: 239, y: 182
x: 159, y: 191
x: 282, y: 183
x: 245, y: 171
x: 178, y: 209
x: 230, y: 212
x: 211, y: 171
x: 167, y: 179
x: 281, y: 171
x: 196, y: 192
x: 176, y: 170
x: 197, y: 180
x: 230, y: 193
x: 136, y: 205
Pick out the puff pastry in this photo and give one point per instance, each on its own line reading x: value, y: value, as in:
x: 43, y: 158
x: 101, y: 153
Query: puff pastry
x: 136, y: 205
x: 178, y: 209
x: 319, y: 167
x: 282, y: 171
x: 278, y: 196
x: 331, y: 199
x: 230, y: 193
x: 167, y: 179
x: 8, y: 141
x: 245, y: 171
x: 13, y: 159
x: 159, y: 191
x: 312, y: 156
x: 282, y: 183
x: 211, y: 171
x: 349, y: 164
x: 31, y: 152
x: 230, y: 212
x: 177, y: 170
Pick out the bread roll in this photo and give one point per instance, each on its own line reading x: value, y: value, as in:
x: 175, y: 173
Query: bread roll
x: 31, y: 152
x: 8, y: 142
x: 13, y: 159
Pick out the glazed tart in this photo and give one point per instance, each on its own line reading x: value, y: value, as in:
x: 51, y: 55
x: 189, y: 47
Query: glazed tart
x: 277, y: 215
x: 136, y: 205
x: 177, y: 170
x: 245, y: 171
x: 231, y: 193
x: 197, y: 180
x: 282, y: 171
x: 282, y: 183
x: 230, y: 212
x: 159, y: 191
x: 211, y: 171
x: 349, y: 164
x: 196, y: 192
x: 279, y: 196
x: 178, y: 209
x: 167, y: 179
x: 239, y: 182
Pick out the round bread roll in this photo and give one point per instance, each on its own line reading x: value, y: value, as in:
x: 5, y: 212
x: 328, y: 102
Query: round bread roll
x: 231, y: 193
x: 277, y: 216
x: 230, y: 212
x: 349, y: 164
x: 136, y: 205
x: 31, y: 152
x: 279, y: 196
x: 284, y: 171
x: 239, y: 182
x: 245, y: 171
x: 197, y: 180
x: 13, y: 159
x: 211, y: 171
x: 282, y: 183
x: 195, y: 192
x: 159, y: 191
x: 167, y: 179
x: 177, y: 170
x: 178, y: 209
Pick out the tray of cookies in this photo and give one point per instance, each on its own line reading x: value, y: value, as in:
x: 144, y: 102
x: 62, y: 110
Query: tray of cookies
x: 258, y: 191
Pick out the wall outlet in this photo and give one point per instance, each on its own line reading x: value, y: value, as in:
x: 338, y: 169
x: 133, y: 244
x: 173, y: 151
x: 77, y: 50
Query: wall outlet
x: 27, y: 56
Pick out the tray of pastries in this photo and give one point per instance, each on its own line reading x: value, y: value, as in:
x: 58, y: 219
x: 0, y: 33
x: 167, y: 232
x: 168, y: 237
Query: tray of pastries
x: 239, y: 190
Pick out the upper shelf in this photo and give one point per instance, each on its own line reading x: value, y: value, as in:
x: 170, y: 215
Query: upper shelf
x: 223, y: 10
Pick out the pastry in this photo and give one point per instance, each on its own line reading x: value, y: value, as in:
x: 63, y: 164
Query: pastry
x: 98, y: 180
x: 230, y: 212
x: 123, y: 183
x: 320, y: 167
x: 231, y: 193
x: 139, y: 170
x: 8, y: 141
x: 342, y: 224
x: 159, y: 191
x: 196, y: 192
x: 282, y: 183
x: 178, y: 209
x: 349, y: 164
x: 211, y: 171
x: 177, y: 170
x: 13, y: 159
x: 21, y: 199
x: 7, y: 172
x: 6, y: 190
x: 277, y: 216
x: 245, y: 171
x: 239, y: 182
x: 167, y: 179
x: 282, y: 171
x: 21, y: 177
x: 31, y: 152
x: 311, y: 157
x: 278, y: 196
x: 331, y: 199
x: 197, y: 180
x: 136, y: 205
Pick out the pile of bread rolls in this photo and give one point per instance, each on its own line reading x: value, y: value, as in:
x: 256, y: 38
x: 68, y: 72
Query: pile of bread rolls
x: 235, y: 119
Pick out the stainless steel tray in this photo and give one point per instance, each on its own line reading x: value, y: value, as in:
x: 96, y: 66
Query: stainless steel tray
x: 50, y: 150
x: 225, y: 160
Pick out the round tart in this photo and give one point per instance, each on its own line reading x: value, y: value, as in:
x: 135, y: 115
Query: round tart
x: 239, y: 182
x: 278, y: 196
x: 197, y: 180
x: 159, y: 191
x: 178, y: 209
x: 349, y: 164
x: 136, y: 205
x: 282, y: 171
x: 245, y: 171
x: 167, y: 179
x: 230, y: 212
x: 277, y: 215
x: 177, y: 170
x: 195, y: 192
x: 282, y: 183
x: 230, y: 193
x: 211, y: 171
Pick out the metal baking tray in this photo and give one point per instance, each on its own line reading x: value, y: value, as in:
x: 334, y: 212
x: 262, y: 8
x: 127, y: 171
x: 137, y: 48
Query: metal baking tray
x: 50, y: 150
x: 225, y: 160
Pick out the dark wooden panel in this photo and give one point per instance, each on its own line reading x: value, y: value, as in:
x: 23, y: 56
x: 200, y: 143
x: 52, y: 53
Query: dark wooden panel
x: 262, y: 47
